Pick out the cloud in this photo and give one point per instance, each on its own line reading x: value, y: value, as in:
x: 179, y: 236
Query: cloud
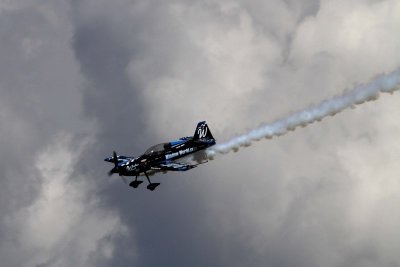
x: 80, y: 79
x: 66, y: 224
x: 51, y: 212
x: 374, y: 171
x: 267, y: 201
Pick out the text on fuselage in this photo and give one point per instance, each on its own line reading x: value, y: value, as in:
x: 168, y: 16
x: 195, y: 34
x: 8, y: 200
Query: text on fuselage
x: 179, y: 153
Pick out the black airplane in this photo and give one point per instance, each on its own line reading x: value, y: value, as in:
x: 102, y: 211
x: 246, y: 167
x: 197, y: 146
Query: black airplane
x: 163, y: 157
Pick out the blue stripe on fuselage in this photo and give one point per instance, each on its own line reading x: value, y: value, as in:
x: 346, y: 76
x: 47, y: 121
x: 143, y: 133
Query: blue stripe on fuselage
x: 178, y: 142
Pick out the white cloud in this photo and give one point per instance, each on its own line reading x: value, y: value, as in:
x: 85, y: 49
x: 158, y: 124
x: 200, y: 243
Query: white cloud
x: 219, y: 57
x: 360, y: 35
x: 372, y: 163
x: 66, y: 225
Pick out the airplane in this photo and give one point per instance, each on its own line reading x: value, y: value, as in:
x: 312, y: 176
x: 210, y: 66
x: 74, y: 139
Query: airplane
x: 163, y: 157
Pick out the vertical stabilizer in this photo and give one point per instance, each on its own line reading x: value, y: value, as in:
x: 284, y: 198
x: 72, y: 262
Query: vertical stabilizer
x: 202, y: 131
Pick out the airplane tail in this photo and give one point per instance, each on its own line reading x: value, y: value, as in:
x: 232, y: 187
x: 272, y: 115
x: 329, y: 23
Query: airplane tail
x: 202, y: 131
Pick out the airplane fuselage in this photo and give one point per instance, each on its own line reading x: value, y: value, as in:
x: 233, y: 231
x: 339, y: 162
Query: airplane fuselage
x: 164, y: 157
x: 164, y: 152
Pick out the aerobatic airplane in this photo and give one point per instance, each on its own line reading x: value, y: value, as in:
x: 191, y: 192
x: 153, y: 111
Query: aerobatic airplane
x: 163, y: 157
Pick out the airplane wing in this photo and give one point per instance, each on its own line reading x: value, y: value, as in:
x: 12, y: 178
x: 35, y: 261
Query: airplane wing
x: 120, y: 160
x: 173, y: 166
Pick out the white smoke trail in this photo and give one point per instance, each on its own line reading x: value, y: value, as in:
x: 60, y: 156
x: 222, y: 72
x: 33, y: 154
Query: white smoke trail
x: 385, y: 83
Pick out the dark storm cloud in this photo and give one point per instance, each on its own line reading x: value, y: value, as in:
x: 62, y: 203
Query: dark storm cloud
x: 167, y: 226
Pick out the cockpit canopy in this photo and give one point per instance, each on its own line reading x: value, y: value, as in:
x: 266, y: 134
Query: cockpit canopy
x: 156, y: 149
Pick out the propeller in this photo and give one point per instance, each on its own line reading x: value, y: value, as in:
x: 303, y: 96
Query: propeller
x: 116, y: 169
x: 115, y: 161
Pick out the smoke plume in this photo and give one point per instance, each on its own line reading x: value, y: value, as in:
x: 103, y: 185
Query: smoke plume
x: 385, y: 83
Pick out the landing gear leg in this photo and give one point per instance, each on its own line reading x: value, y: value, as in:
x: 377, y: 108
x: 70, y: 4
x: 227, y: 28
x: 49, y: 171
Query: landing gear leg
x: 151, y: 185
x: 135, y: 183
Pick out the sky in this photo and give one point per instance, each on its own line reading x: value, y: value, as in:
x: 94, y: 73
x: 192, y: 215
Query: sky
x: 79, y: 79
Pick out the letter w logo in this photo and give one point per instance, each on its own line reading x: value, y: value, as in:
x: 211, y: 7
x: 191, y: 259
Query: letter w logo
x: 202, y: 132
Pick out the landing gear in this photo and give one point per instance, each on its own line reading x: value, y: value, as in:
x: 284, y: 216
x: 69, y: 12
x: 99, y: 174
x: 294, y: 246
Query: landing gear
x: 135, y: 183
x: 151, y: 185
